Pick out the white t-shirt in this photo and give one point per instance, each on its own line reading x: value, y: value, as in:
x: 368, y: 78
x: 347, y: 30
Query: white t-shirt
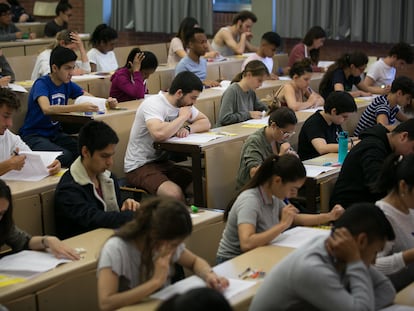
x: 104, y: 62
x: 8, y: 143
x: 42, y: 65
x: 140, y: 148
x: 175, y: 45
x: 268, y: 61
x: 381, y: 73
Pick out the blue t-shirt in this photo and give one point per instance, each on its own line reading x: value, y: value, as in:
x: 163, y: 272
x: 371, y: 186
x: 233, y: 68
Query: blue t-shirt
x: 187, y: 64
x: 36, y: 122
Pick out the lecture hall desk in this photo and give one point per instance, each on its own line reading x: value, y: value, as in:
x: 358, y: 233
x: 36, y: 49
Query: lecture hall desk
x: 73, y: 286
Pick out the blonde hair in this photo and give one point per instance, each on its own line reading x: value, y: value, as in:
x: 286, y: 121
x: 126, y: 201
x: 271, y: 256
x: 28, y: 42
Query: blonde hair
x: 63, y: 35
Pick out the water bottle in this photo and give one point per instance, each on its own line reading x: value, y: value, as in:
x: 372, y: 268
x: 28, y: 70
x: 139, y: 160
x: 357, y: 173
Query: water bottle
x: 342, y: 146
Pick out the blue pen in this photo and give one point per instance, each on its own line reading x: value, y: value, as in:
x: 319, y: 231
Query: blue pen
x: 327, y: 164
x: 286, y: 201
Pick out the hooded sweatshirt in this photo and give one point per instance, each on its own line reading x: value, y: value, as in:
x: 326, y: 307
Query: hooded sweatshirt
x: 361, y: 168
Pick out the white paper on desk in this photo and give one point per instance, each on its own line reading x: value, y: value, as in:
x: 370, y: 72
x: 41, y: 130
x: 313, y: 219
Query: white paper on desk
x: 264, y: 121
x: 98, y: 101
x: 86, y: 77
x: 29, y: 261
x: 223, y: 85
x: 35, y: 166
x: 195, y: 138
x: 285, y: 78
x: 235, y: 287
x: 398, y: 308
x: 325, y: 63
x: 315, y: 170
x: 17, y: 88
x: 299, y: 236
x: 311, y: 109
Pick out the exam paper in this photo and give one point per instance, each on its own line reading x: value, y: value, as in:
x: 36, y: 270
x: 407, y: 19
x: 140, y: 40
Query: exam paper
x: 315, y: 170
x: 298, y: 236
x: 195, y: 138
x: 264, y: 121
x: 29, y: 263
x: 98, y: 101
x: 17, y: 88
x: 84, y: 77
x: 235, y: 287
x: 35, y: 166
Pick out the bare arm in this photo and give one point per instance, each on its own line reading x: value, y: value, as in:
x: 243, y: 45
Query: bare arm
x: 318, y: 219
x: 48, y: 109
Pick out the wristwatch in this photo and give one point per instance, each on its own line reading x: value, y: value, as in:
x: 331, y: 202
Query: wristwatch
x: 188, y: 128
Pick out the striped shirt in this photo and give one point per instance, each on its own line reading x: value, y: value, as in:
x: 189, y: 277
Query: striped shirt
x: 380, y: 105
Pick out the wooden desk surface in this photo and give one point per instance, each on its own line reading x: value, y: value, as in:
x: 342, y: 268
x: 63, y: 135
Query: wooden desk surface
x: 91, y: 242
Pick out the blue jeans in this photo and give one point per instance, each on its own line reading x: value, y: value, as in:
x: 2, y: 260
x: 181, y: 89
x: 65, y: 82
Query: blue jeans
x: 59, y: 142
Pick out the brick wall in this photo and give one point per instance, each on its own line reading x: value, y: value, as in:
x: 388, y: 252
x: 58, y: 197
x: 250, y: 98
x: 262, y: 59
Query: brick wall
x: 78, y: 13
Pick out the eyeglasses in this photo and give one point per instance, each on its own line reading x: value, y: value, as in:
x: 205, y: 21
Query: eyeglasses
x: 286, y: 135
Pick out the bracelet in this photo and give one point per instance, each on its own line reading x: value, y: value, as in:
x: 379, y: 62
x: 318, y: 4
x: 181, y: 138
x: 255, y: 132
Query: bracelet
x: 44, y: 241
x: 188, y: 128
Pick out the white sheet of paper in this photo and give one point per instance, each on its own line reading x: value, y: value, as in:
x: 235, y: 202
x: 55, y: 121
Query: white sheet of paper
x: 315, y: 170
x: 35, y: 166
x: 223, y: 85
x: 299, y: 236
x: 84, y: 77
x: 236, y: 286
x: 264, y: 120
x: 98, y: 101
x: 17, y: 88
x: 325, y: 63
x: 195, y: 138
x: 285, y: 78
x: 30, y: 261
x: 311, y: 109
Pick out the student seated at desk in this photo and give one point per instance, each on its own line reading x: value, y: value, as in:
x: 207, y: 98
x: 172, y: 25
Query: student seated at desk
x: 158, y: 118
x: 269, y: 43
x: 12, y: 144
x: 60, y: 22
x: 271, y: 139
x: 19, y: 13
x: 101, y: 55
x: 19, y: 240
x: 137, y: 260
x: 129, y: 82
x: 309, y: 48
x: 8, y: 30
x: 297, y: 94
x: 397, y: 258
x: 382, y: 72
x: 259, y: 213
x: 363, y: 163
x: 178, y: 45
x: 239, y: 101
x: 386, y: 108
x: 49, y: 95
x: 87, y: 196
x: 334, y: 273
x: 319, y: 133
x: 345, y: 73
x: 67, y: 39
x: 197, y: 46
x: 235, y: 39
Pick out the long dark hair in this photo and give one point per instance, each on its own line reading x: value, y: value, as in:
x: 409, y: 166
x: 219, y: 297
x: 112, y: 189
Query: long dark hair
x: 186, y: 24
x: 6, y: 222
x: 157, y: 219
x: 288, y: 167
x: 316, y: 32
x: 356, y: 58
x: 150, y: 61
x: 102, y: 33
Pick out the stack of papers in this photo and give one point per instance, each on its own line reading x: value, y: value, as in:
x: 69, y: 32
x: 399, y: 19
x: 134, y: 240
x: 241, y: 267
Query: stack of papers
x: 298, y: 236
x: 235, y: 287
x: 35, y: 166
x: 26, y: 264
x: 97, y: 101
x: 315, y: 170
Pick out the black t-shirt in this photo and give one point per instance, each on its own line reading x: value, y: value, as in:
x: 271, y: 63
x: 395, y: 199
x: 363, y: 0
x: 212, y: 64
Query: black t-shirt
x: 339, y: 77
x: 51, y: 28
x: 316, y: 127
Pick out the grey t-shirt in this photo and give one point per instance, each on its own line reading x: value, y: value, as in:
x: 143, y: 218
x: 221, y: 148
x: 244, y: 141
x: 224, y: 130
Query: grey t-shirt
x: 236, y: 104
x: 124, y: 258
x: 251, y: 207
x: 308, y: 280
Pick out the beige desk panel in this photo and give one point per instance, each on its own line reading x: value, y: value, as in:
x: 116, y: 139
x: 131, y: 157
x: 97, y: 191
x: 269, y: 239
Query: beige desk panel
x: 27, y: 214
x: 35, y: 49
x: 13, y: 51
x: 48, y: 212
x: 26, y: 303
